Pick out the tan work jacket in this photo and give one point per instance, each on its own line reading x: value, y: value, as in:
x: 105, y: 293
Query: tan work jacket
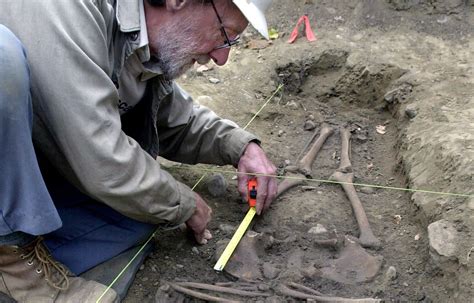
x: 84, y: 58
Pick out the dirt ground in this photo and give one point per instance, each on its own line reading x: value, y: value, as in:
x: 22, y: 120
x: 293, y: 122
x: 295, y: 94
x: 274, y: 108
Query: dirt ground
x: 405, y: 65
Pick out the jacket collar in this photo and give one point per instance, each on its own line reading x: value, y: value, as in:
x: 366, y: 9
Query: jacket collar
x: 128, y: 15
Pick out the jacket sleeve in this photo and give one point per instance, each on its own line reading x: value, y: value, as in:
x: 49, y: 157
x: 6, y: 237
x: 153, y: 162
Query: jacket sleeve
x: 191, y: 133
x: 67, y: 45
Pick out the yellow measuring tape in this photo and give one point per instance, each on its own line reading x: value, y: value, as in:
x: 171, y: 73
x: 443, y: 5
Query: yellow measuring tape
x: 239, y: 233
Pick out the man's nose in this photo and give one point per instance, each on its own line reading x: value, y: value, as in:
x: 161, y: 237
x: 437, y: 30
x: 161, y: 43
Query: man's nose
x: 220, y: 56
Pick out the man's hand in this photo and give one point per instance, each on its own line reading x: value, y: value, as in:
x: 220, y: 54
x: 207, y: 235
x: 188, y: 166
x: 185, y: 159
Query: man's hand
x: 199, y: 220
x: 254, y: 160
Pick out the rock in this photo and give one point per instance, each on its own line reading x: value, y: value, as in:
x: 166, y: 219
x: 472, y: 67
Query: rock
x: 263, y: 287
x: 292, y: 105
x: 309, y: 125
x: 226, y: 228
x: 442, y: 236
x: 142, y: 267
x: 270, y: 271
x: 203, y: 100
x: 216, y: 185
x: 195, y: 250
x: 280, y: 133
x: 203, y: 68
x: 318, y: 229
x: 391, y: 273
x: 309, y: 272
x: 179, y: 265
x: 145, y: 279
x: 411, y: 111
x: 214, y: 80
x: 367, y: 190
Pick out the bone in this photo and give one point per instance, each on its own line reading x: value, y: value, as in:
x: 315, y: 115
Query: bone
x: 199, y: 295
x: 366, y: 237
x: 304, y: 288
x: 286, y: 185
x: 245, y: 261
x: 305, y: 164
x: 221, y: 289
x: 354, y: 265
x: 286, y: 291
x: 345, y: 166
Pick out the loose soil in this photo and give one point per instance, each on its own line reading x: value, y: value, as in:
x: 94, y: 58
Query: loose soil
x: 375, y: 63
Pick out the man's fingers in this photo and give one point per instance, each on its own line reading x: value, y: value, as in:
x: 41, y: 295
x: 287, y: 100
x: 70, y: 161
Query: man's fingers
x: 207, y: 234
x: 243, y: 181
x: 272, y: 192
x: 262, y: 193
x: 203, y: 237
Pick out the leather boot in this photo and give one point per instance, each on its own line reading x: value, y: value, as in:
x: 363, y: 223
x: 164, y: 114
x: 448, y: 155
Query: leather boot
x: 30, y: 274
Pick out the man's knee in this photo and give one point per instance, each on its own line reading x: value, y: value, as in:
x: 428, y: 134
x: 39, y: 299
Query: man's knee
x: 14, y: 72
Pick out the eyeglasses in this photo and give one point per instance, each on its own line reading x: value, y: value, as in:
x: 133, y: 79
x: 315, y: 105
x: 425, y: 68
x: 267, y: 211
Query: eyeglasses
x: 228, y: 42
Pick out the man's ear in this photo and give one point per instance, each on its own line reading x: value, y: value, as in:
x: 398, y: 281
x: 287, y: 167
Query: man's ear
x: 176, y: 5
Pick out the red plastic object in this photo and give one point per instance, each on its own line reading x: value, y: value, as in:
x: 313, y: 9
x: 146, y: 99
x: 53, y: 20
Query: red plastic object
x: 309, y: 32
x: 252, y: 192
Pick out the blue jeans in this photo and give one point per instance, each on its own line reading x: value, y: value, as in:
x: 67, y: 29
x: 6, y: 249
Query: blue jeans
x: 80, y: 232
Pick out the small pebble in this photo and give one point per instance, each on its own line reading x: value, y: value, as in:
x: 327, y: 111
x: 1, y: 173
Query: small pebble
x: 367, y: 190
x: 292, y: 105
x: 179, y: 266
x: 417, y: 237
x: 145, y: 279
x: 195, y: 250
x: 263, y: 287
x: 142, y: 267
x: 411, y: 113
x: 227, y: 228
x: 270, y: 271
x: 216, y: 185
x: 280, y: 133
x: 318, y: 229
x: 391, y: 273
x: 214, y: 80
x: 309, y: 125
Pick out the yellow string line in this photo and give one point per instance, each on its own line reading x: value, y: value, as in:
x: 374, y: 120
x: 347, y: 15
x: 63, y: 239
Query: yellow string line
x: 189, y: 167
x: 264, y: 105
x: 126, y: 267
x: 195, y: 185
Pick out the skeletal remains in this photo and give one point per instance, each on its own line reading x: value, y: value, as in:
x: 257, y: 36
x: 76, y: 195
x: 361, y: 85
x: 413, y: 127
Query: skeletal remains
x: 354, y: 264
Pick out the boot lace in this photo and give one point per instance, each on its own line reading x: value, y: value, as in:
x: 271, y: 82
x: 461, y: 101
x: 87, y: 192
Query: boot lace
x: 48, y: 265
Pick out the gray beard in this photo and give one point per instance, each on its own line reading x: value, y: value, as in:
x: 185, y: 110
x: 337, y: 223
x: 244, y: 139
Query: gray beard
x: 175, y: 49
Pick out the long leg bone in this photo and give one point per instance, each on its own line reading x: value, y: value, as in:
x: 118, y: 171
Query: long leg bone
x: 366, y: 237
x: 304, y: 165
x: 287, y: 291
x: 306, y: 162
x: 185, y: 288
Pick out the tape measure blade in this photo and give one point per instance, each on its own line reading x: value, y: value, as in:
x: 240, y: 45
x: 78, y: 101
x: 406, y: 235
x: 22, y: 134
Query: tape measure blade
x: 229, y: 250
